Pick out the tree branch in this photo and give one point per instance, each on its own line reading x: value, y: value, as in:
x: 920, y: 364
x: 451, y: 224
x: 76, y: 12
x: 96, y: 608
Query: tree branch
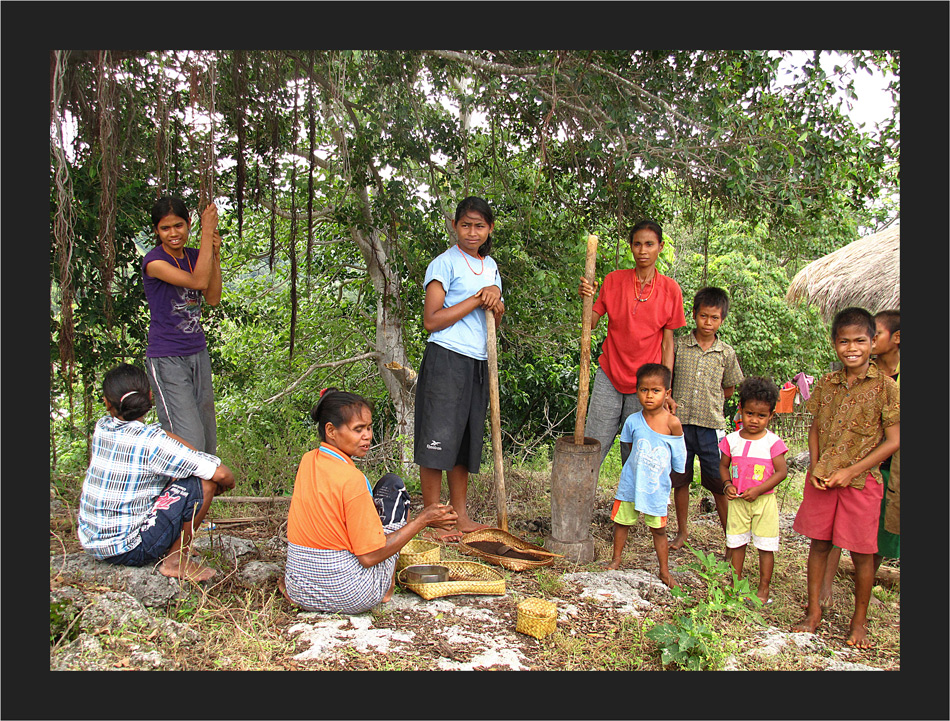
x: 331, y: 364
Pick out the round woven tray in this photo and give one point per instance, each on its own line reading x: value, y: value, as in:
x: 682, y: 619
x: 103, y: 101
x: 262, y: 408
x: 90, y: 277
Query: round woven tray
x: 464, y: 577
x: 495, y: 536
x: 418, y: 552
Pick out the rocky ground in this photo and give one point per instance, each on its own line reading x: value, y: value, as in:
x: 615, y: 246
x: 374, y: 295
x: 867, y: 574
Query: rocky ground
x: 108, y: 618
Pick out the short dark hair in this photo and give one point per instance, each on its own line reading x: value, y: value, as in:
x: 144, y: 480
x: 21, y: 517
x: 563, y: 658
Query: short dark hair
x: 711, y: 297
x: 757, y: 388
x: 647, y: 224
x: 890, y: 318
x: 655, y: 369
x: 336, y: 407
x: 126, y: 387
x: 478, y: 205
x: 853, y: 316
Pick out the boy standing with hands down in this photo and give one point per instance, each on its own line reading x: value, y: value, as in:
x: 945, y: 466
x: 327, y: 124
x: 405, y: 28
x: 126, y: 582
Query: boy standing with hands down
x: 705, y: 373
x: 651, y: 445
x: 752, y: 465
x: 856, y: 425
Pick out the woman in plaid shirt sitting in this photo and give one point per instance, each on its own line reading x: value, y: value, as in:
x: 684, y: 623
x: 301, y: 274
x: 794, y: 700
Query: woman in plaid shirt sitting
x: 145, y: 490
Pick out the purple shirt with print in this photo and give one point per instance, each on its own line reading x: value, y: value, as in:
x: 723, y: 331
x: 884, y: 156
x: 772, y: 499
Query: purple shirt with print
x: 175, y: 326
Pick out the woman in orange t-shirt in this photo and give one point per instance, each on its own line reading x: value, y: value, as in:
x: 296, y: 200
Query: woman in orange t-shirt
x: 344, y: 536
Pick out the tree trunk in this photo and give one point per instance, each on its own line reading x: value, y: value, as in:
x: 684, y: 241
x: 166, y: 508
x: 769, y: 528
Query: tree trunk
x: 393, y: 363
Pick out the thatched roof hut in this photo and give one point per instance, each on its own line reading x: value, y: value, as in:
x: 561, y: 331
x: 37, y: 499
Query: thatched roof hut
x: 865, y: 273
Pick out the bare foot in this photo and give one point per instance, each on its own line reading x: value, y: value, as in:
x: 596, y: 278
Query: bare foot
x: 859, y: 636
x: 469, y: 526
x: 282, y: 585
x: 668, y: 580
x: 188, y: 570
x: 809, y: 624
x: 679, y: 541
x: 613, y: 566
x: 442, y: 535
x: 389, y: 594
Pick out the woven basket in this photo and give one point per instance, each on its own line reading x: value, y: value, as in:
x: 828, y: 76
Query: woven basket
x: 464, y: 577
x: 536, y: 617
x: 418, y: 552
x: 499, y: 536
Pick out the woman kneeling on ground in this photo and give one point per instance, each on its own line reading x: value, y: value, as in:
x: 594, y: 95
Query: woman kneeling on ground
x: 343, y: 536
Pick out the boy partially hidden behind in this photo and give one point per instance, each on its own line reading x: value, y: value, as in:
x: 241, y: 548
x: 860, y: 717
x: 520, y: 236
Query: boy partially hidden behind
x: 856, y: 425
x: 705, y: 373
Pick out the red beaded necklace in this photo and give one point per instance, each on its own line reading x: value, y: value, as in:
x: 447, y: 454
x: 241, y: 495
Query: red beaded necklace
x: 465, y: 256
x: 652, y: 287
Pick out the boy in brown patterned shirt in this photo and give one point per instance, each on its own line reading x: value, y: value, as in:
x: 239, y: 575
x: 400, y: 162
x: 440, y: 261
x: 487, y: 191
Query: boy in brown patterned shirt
x: 856, y: 425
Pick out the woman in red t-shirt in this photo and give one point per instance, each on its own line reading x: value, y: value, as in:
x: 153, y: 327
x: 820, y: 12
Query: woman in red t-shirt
x: 644, y: 307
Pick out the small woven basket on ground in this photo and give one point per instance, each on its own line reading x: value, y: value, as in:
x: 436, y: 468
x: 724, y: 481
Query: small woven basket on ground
x: 418, y: 552
x: 536, y: 617
x: 503, y: 549
x: 464, y: 577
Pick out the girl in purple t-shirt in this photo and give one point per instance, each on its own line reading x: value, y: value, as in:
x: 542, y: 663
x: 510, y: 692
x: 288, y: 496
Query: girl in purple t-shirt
x: 177, y: 279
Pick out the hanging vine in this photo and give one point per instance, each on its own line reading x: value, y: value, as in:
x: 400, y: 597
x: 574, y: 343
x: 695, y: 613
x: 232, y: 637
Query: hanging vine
x: 108, y: 175
x: 239, y: 79
x: 63, y: 230
x: 292, y: 250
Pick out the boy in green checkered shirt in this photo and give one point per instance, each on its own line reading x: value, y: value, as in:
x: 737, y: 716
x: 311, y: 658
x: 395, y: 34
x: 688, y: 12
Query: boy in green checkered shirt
x: 705, y: 373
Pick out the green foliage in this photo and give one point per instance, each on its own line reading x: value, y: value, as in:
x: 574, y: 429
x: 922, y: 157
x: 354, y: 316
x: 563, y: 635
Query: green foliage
x: 687, y: 643
x: 62, y: 622
x: 689, y: 640
x: 725, y: 593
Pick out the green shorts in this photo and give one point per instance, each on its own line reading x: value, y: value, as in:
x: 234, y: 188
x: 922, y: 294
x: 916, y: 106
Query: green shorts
x: 625, y: 514
x: 756, y: 521
x: 888, y: 544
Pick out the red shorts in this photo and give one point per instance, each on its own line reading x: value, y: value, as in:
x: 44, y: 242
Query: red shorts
x: 846, y: 516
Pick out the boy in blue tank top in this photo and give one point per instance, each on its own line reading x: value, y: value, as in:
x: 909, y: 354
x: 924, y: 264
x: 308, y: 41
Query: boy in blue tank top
x: 652, y: 445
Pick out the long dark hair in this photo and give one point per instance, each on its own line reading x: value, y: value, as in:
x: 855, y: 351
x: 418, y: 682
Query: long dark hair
x: 127, y: 389
x: 478, y: 205
x: 169, y: 205
x: 336, y: 407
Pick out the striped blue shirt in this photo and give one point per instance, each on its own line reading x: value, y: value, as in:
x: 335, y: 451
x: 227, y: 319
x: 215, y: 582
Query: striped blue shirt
x: 131, y: 464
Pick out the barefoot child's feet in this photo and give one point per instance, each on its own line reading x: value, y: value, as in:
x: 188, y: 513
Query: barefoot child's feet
x: 859, y: 636
x: 679, y: 541
x: 186, y: 569
x: 668, y: 580
x: 808, y: 624
x: 613, y: 566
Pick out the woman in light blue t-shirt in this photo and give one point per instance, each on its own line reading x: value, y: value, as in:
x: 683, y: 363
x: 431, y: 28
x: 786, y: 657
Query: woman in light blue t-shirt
x: 461, y: 284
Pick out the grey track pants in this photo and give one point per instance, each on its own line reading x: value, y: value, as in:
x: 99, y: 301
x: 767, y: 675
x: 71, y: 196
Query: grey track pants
x: 607, y: 411
x: 184, y: 398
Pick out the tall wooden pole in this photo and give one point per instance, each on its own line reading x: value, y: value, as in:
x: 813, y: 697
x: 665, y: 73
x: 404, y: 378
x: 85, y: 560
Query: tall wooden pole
x: 501, y: 502
x: 584, y: 380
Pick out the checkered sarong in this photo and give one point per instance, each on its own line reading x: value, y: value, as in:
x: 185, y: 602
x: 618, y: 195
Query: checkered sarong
x: 335, y: 581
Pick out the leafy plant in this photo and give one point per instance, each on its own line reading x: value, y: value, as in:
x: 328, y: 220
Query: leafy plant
x: 725, y: 592
x: 688, y: 643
